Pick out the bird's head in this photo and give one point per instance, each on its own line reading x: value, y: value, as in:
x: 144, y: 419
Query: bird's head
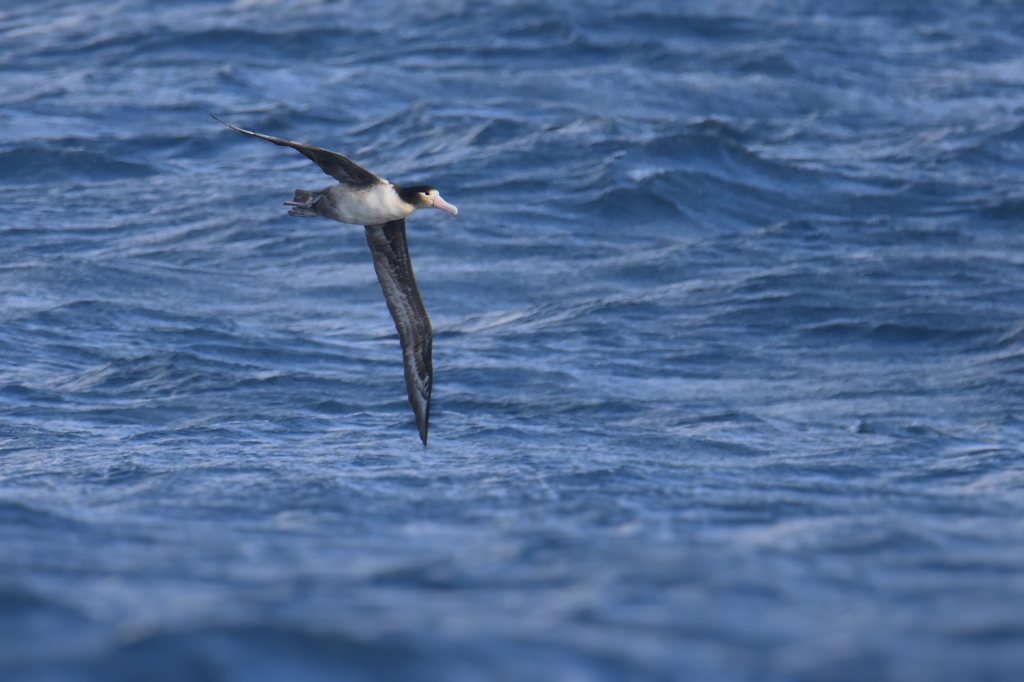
x: 425, y: 196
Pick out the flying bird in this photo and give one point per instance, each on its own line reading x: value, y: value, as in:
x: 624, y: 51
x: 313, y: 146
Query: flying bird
x: 363, y: 198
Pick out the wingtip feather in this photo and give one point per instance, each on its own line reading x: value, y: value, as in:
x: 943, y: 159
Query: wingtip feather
x: 423, y: 422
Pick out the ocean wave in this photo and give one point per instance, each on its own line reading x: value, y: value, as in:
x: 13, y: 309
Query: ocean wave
x: 894, y: 333
x: 44, y: 165
x: 729, y: 323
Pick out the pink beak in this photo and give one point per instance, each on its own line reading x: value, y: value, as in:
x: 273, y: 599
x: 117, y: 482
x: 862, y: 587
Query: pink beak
x: 444, y: 205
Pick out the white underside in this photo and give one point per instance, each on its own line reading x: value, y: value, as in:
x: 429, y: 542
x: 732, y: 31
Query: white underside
x: 371, y: 206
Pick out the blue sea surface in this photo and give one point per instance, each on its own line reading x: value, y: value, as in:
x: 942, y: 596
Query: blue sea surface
x: 729, y: 343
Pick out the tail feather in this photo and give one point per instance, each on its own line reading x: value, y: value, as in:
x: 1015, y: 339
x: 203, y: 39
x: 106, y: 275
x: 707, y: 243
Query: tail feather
x: 302, y: 203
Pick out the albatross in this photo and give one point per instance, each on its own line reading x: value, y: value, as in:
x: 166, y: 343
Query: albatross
x: 363, y: 198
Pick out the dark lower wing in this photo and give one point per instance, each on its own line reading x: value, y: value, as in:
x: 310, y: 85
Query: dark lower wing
x: 394, y: 271
x: 338, y: 166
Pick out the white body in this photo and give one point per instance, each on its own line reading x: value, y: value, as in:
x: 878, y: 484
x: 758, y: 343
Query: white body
x: 363, y: 206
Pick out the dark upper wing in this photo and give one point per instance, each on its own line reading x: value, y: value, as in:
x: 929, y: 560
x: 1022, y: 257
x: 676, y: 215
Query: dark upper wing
x: 394, y: 271
x: 338, y: 166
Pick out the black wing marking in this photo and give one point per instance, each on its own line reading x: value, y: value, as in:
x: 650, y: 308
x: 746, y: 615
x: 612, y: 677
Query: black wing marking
x: 394, y: 271
x: 338, y: 166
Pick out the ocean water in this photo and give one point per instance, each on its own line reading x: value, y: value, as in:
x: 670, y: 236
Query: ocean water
x: 729, y: 354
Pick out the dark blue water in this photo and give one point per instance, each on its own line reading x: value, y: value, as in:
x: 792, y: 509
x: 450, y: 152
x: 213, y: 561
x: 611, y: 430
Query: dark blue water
x: 729, y: 343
